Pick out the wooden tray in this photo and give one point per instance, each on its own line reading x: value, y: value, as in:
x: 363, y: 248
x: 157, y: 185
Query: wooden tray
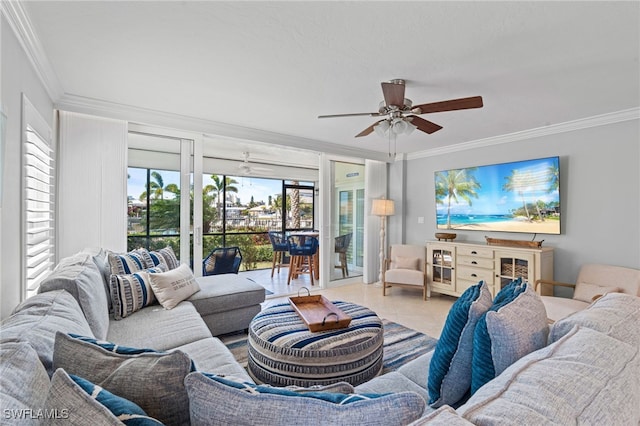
x: 513, y: 243
x: 318, y: 313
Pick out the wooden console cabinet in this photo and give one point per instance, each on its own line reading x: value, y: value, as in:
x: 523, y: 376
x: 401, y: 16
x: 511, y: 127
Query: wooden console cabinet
x: 454, y: 267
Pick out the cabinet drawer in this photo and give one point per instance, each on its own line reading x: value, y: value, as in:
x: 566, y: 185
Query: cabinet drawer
x: 475, y: 252
x: 474, y: 274
x: 478, y: 262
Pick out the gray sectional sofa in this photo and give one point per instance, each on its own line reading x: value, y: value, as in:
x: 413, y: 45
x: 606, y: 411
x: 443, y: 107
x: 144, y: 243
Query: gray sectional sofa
x: 587, y: 374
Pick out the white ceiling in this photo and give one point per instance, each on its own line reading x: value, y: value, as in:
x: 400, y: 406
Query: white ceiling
x: 276, y: 66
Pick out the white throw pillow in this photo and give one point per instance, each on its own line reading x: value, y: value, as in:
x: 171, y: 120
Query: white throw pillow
x: 405, y: 263
x: 586, y: 292
x: 174, y: 286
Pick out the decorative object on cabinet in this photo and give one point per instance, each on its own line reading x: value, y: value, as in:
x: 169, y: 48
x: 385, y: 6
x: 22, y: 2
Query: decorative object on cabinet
x: 512, y: 243
x: 454, y: 267
x: 406, y: 267
x: 445, y: 236
x: 382, y: 208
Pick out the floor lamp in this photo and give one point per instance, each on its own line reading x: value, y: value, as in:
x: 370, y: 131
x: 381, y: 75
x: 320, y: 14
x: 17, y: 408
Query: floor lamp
x: 382, y: 208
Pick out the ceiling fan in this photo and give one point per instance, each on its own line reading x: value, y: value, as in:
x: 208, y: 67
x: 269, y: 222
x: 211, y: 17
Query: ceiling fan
x: 248, y: 168
x: 402, y: 116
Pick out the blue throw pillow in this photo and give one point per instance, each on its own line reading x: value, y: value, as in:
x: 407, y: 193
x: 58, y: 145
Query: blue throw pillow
x: 514, y: 326
x: 450, y: 369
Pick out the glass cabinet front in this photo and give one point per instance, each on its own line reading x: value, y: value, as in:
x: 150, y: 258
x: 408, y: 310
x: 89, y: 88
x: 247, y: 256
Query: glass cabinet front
x: 511, y: 268
x: 442, y: 269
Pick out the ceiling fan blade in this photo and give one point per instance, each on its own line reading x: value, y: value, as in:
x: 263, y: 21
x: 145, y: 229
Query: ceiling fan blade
x: 393, y: 94
x: 450, y: 105
x: 424, y: 125
x: 368, y: 130
x: 370, y: 114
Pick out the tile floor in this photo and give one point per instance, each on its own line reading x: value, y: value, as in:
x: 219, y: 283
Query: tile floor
x: 402, y: 305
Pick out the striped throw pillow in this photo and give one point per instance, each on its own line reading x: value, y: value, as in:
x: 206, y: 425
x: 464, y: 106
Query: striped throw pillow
x: 166, y: 257
x: 131, y: 292
x: 127, y: 263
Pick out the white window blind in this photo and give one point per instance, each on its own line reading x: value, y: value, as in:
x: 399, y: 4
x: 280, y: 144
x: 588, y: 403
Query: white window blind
x: 39, y: 208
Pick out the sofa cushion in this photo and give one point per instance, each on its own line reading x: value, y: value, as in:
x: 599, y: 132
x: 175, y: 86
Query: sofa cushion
x: 393, y: 382
x: 101, y: 260
x: 560, y: 307
x: 615, y: 314
x: 515, y: 325
x: 404, y: 276
x: 586, y: 377
x: 165, y: 257
x: 450, y: 368
x: 587, y: 292
x: 74, y: 400
x: 153, y: 380
x: 212, y: 356
x: 80, y: 276
x: 23, y: 380
x: 444, y: 416
x: 277, y: 406
x: 37, y: 319
x: 174, y: 286
x: 131, y: 292
x: 158, y: 328
x: 220, y: 293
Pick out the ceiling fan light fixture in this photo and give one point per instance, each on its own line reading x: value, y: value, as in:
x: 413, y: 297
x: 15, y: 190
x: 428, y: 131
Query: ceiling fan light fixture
x: 382, y: 128
x: 410, y: 127
x: 399, y: 126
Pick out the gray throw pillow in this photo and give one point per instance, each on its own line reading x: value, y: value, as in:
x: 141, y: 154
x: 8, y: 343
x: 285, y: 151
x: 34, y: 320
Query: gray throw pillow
x: 75, y: 401
x: 514, y: 326
x: 214, y: 401
x: 153, y: 380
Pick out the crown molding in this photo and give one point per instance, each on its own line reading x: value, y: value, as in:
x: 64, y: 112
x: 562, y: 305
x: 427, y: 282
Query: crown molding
x: 569, y: 126
x: 84, y: 105
x: 20, y: 23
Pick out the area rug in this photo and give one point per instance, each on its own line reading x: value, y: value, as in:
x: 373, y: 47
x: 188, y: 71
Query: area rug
x: 401, y: 345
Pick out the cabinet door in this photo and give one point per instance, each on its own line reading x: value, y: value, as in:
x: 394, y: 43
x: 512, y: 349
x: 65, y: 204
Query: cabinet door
x: 510, y: 266
x: 442, y: 260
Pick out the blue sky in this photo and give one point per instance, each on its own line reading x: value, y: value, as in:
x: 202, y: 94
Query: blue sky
x: 258, y: 187
x: 493, y: 200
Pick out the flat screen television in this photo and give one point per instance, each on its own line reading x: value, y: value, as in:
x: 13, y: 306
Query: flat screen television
x: 521, y: 196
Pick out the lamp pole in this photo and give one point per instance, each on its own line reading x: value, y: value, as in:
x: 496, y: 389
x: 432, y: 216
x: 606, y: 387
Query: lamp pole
x: 382, y: 208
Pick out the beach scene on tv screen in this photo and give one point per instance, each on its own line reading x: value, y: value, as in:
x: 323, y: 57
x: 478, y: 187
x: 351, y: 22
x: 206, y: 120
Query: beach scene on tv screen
x: 521, y: 196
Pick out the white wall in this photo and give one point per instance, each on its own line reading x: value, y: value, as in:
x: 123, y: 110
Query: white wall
x: 600, y: 194
x: 17, y: 77
x: 92, y: 182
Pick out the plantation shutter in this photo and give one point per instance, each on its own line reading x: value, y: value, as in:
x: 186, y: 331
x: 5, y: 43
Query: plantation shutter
x: 39, y: 199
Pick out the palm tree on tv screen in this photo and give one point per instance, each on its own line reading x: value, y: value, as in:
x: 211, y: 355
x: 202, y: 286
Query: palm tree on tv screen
x: 454, y: 185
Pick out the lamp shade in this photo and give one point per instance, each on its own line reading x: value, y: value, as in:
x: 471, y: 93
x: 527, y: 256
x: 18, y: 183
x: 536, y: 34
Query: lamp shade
x: 383, y: 207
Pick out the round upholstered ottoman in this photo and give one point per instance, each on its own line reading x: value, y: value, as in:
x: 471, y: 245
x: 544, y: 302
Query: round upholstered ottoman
x: 283, y: 352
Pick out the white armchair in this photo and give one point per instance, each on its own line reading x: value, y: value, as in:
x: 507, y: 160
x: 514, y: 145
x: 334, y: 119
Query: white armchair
x: 593, y: 282
x: 406, y: 267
